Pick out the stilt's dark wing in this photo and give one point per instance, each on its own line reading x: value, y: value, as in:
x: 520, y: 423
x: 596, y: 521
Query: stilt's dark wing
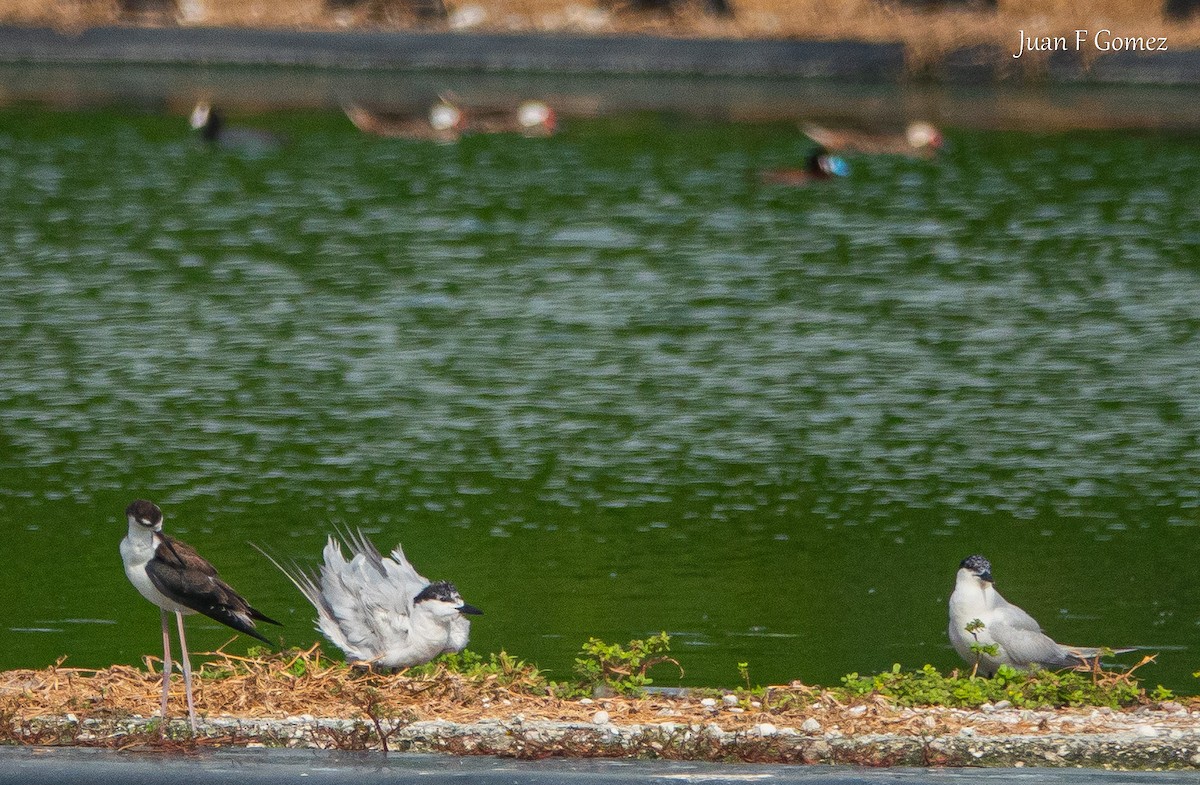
x: 183, y: 575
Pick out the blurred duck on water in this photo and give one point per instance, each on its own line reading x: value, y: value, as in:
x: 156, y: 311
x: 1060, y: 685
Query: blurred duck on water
x: 819, y: 165
x: 447, y: 121
x: 531, y: 118
x: 919, y: 140
x: 444, y: 122
x: 209, y: 122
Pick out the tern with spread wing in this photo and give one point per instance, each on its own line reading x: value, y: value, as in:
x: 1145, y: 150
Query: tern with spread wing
x: 1017, y: 637
x: 379, y: 610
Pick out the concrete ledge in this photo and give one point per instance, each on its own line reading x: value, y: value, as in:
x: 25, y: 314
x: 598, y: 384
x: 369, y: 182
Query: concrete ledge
x: 35, y: 766
x: 598, y: 55
x: 844, y: 60
x: 1154, y: 740
x: 1178, y: 67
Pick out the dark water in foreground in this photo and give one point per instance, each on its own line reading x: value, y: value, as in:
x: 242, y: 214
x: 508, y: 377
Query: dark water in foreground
x: 76, y: 766
x: 607, y: 383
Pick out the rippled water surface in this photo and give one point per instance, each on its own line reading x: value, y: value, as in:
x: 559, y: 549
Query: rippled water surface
x: 607, y: 383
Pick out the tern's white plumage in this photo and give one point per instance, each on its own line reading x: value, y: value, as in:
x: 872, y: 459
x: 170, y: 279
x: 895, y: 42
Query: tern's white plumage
x: 379, y: 610
x: 1018, y: 638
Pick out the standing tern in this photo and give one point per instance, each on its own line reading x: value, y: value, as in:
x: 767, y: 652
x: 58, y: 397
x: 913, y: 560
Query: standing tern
x: 1017, y: 637
x: 178, y: 580
x: 379, y: 610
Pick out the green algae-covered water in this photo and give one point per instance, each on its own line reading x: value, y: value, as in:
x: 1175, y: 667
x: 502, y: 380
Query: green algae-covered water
x: 606, y: 383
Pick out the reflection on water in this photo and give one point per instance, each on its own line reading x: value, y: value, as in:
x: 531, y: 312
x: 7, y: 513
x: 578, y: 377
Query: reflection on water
x: 607, y: 383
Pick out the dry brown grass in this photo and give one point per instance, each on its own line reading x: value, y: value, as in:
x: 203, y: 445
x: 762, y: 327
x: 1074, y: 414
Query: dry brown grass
x: 926, y: 34
x: 273, y: 686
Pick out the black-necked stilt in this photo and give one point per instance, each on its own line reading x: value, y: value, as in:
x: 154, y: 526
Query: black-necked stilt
x: 178, y: 580
x: 380, y: 611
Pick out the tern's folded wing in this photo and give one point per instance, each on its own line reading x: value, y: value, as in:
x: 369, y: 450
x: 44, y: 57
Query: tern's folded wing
x: 1022, y: 641
x: 1014, y: 617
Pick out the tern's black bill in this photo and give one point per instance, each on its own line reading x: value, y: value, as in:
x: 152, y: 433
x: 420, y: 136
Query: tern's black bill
x: 470, y: 610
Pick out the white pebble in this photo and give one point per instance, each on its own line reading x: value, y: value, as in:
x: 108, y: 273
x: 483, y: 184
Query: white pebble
x: 857, y: 711
x: 765, y: 729
x: 1148, y: 731
x: 586, y: 701
x: 708, y: 703
x: 600, y: 717
x: 730, y: 700
x: 810, y: 725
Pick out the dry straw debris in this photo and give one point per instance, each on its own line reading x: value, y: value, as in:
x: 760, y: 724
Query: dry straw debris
x: 267, y: 686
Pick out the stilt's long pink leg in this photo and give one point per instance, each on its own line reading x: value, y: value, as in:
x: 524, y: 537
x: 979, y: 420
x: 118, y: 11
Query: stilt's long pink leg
x: 187, y: 672
x: 166, y: 627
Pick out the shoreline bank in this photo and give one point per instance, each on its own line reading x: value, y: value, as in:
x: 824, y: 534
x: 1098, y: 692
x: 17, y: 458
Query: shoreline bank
x: 506, y: 708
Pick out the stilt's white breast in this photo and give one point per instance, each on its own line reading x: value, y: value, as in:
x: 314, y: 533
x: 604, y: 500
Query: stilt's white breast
x: 137, y: 549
